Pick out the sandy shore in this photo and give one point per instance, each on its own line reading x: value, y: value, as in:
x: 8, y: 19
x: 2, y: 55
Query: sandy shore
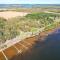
x: 10, y: 14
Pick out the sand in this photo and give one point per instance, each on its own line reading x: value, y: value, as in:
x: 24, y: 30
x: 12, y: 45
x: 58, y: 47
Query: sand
x: 11, y: 14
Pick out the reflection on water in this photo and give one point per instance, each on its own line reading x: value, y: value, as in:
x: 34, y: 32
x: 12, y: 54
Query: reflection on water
x: 49, y: 49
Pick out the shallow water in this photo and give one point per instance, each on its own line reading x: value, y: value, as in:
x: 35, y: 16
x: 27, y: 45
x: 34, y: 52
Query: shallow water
x: 49, y: 49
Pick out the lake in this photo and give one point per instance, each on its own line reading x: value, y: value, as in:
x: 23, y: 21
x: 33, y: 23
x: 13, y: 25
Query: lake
x: 49, y: 49
x: 27, y: 5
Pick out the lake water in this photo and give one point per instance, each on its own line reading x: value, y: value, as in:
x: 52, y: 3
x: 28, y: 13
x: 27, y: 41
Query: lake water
x: 49, y: 49
x: 28, y: 5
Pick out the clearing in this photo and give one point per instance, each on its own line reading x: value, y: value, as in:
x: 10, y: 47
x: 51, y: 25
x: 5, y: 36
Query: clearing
x: 11, y: 14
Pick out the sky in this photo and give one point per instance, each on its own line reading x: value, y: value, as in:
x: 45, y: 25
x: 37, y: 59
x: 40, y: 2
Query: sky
x: 29, y: 1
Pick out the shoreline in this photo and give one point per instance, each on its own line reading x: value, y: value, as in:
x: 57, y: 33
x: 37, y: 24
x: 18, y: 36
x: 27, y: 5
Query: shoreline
x: 25, y: 45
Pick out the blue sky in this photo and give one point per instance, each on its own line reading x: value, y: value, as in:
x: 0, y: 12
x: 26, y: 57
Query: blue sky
x: 29, y: 1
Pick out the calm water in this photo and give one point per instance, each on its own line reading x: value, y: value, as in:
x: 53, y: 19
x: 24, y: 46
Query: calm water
x: 46, y: 50
x: 28, y: 5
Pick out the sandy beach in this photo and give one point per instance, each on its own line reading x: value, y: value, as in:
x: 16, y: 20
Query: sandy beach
x: 11, y: 14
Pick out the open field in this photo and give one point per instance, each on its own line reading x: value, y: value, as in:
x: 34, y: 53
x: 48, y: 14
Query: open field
x: 11, y: 14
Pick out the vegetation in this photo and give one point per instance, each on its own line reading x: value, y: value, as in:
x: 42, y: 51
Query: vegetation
x: 7, y: 31
x: 29, y: 23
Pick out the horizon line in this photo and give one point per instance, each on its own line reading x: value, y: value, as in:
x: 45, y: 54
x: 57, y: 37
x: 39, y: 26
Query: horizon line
x: 27, y: 3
